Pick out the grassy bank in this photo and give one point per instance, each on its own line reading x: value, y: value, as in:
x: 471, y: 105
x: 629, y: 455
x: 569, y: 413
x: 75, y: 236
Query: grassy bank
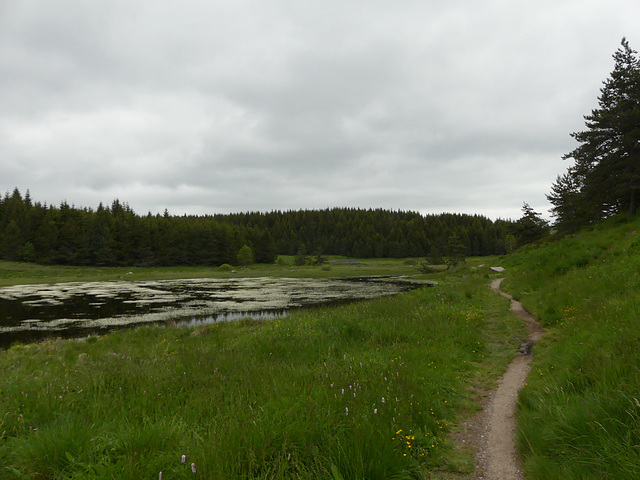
x: 367, y: 390
x: 580, y: 412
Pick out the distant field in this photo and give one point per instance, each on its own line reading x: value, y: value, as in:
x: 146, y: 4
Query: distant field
x: 15, y: 273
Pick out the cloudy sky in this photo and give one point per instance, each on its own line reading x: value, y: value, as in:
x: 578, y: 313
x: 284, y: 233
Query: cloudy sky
x: 219, y: 106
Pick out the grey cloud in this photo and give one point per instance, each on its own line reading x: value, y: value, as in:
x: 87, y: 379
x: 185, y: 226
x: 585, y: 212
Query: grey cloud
x: 206, y: 106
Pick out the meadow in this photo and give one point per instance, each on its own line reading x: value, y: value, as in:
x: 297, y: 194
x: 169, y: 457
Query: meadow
x: 579, y: 415
x: 367, y: 390
x: 20, y: 273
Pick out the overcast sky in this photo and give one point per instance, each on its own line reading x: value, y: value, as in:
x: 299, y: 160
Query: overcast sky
x: 220, y: 106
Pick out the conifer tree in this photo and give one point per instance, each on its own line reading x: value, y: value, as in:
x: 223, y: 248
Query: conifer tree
x: 605, y: 178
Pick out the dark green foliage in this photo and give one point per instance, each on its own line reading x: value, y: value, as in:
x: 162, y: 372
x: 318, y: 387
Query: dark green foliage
x: 301, y: 256
x: 530, y: 227
x: 605, y: 178
x: 115, y: 236
x: 456, y: 250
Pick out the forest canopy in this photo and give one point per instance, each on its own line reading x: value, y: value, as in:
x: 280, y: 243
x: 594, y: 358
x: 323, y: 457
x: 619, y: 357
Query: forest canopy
x: 116, y: 236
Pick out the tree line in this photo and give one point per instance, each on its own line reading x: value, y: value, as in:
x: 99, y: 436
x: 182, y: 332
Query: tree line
x: 604, y: 179
x: 114, y: 235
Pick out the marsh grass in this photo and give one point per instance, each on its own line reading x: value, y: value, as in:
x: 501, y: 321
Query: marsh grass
x: 580, y: 413
x: 366, y: 390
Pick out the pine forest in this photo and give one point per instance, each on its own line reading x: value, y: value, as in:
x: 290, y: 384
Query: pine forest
x: 116, y: 236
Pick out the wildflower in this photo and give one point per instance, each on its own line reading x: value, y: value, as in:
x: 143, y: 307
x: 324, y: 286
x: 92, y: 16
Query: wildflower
x: 375, y: 410
x: 193, y: 467
x: 184, y: 458
x: 343, y: 391
x: 382, y: 399
x: 160, y: 476
x: 347, y: 410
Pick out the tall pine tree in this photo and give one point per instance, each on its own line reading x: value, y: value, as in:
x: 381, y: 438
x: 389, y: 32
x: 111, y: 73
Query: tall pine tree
x: 605, y: 178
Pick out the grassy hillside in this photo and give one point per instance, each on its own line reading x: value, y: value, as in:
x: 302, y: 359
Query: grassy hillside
x: 367, y: 390
x: 580, y: 412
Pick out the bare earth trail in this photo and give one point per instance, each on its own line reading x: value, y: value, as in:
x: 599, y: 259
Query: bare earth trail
x: 491, y: 432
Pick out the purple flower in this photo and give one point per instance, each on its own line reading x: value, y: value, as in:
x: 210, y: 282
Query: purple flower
x: 193, y: 467
x: 184, y: 458
x: 160, y: 476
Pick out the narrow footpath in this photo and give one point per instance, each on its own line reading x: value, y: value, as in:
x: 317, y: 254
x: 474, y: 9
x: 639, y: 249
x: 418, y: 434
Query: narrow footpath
x: 492, y: 431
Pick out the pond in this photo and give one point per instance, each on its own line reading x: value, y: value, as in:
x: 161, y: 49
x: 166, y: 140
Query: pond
x: 35, y: 312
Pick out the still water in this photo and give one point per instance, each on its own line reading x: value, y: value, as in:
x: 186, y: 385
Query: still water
x: 35, y: 312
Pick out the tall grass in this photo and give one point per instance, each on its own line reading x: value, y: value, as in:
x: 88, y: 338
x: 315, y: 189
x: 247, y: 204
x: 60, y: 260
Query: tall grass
x: 367, y: 390
x: 580, y: 413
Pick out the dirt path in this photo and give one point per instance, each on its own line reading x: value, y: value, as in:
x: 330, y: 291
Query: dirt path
x: 491, y: 432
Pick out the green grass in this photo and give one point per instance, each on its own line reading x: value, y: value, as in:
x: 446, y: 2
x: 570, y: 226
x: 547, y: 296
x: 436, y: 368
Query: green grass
x: 366, y: 390
x: 580, y: 412
x: 16, y: 273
